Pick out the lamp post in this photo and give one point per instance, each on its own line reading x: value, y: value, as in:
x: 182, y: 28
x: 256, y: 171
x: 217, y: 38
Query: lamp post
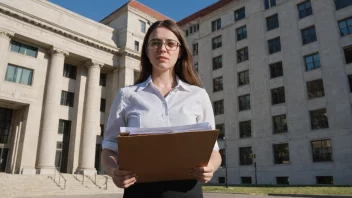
x: 225, y: 146
x: 255, y: 168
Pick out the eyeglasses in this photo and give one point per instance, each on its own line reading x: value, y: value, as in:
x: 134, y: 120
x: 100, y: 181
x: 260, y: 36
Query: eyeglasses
x: 170, y: 45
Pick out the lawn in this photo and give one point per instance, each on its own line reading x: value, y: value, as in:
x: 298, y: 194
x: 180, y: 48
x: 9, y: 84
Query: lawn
x: 304, y: 190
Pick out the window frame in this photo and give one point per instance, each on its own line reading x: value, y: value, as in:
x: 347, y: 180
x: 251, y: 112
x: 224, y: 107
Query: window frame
x: 314, y: 61
x: 216, y: 42
x: 218, y: 84
x: 313, y: 90
x: 245, y: 158
x: 216, y: 25
x: 272, y: 22
x: 240, y: 14
x: 218, y: 104
x: 279, y: 97
x: 66, y: 98
x: 283, y: 124
x: 322, y: 123
x: 273, y: 67
x: 274, y: 45
x: 217, y: 62
x: 244, y: 54
x: 278, y: 160
x: 245, y: 80
x: 241, y: 33
x: 348, y: 27
x: 307, y: 36
x: 328, y: 156
x: 247, y: 105
x: 19, y: 80
x: 245, y: 128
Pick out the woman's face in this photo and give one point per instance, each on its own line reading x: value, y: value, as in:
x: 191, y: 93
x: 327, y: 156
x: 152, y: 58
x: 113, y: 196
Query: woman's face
x: 163, y: 49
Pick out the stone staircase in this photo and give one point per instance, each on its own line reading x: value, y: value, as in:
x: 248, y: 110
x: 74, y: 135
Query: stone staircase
x: 44, y: 185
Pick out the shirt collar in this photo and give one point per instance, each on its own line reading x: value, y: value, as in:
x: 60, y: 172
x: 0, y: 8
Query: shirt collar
x: 180, y: 84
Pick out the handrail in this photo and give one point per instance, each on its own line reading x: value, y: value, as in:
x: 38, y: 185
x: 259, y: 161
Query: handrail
x: 60, y: 175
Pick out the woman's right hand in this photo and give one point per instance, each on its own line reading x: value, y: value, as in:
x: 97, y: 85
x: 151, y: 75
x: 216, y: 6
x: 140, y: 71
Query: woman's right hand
x: 123, y: 179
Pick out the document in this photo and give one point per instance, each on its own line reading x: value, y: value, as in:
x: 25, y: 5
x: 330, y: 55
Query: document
x: 160, y: 130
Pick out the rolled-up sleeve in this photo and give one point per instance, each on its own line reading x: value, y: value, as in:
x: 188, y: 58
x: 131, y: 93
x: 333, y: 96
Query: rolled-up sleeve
x: 115, y: 121
x: 208, y: 114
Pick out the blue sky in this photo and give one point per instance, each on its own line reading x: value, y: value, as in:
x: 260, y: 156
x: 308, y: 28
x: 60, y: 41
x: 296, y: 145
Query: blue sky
x: 98, y: 9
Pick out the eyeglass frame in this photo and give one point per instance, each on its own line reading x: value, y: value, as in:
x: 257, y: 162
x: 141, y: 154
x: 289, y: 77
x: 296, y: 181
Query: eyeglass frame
x: 164, y: 43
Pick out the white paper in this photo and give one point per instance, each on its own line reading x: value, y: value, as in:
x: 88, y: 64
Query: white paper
x: 174, y: 129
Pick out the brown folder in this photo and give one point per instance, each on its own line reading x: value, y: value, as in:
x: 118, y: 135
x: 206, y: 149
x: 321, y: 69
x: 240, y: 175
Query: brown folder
x: 165, y: 157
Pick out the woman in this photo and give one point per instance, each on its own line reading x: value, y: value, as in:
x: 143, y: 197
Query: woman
x: 167, y: 93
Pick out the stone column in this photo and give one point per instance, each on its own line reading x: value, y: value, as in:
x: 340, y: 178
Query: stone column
x: 91, y: 120
x: 5, y: 38
x: 49, y: 130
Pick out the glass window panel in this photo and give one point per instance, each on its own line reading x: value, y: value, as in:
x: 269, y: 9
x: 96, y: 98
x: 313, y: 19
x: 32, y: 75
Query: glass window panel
x: 10, y: 73
x: 18, y: 74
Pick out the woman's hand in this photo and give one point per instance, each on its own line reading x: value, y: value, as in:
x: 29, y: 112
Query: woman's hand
x: 203, y: 174
x: 123, y: 179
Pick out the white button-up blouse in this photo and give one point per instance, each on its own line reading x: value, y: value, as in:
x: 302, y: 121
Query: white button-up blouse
x: 143, y: 106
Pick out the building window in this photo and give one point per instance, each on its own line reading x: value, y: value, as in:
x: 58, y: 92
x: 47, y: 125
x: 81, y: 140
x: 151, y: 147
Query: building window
x: 274, y: 45
x: 67, y: 98
x: 241, y: 33
x: 102, y: 105
x: 324, y: 180
x: 282, y: 181
x: 64, y: 126
x: 23, y: 49
x: 143, y: 26
x: 272, y: 22
x: 240, y: 14
x: 102, y: 80
x: 348, y: 54
x: 319, y: 119
x: 217, y: 62
x: 315, y: 89
x: 216, y: 42
x: 281, y: 153
x: 196, y: 66
x: 19, y: 75
x: 345, y: 27
x: 219, y: 107
x: 246, y: 155
x: 308, y: 35
x: 269, y: 3
x: 321, y: 150
x: 312, y: 61
x: 350, y: 81
x: 223, y: 157
x: 217, y: 84
x: 278, y: 95
x: 245, y: 129
x: 276, y: 70
x: 243, y: 78
x: 221, y: 128
x: 216, y: 25
x: 101, y: 130
x: 195, y: 49
x: 136, y: 46
x: 242, y: 55
x: 70, y: 71
x: 244, y: 102
x: 304, y: 9
x: 280, y: 124
x: 246, y: 180
x: 221, y: 180
x: 342, y: 4
x: 194, y: 28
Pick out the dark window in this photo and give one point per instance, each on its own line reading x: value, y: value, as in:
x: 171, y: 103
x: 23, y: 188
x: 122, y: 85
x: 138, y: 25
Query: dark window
x: 195, y: 49
x: 102, y: 105
x: 217, y: 84
x: 308, y: 35
x: 70, y: 71
x: 281, y: 153
x: 278, y: 95
x: 269, y: 3
x: 102, y: 79
x: 304, y: 9
x: 216, y: 42
x: 19, y: 75
x: 243, y: 78
x: 282, y: 181
x: 240, y: 14
x: 319, y: 119
x: 312, y: 61
x: 345, y: 27
x: 223, y: 157
x: 276, y: 70
x: 242, y: 55
x: 350, y: 82
x: 5, y: 124
x: 218, y: 107
x: 241, y: 33
x: 216, y: 25
x: 245, y: 129
x: 274, y: 45
x: 221, y: 128
x: 246, y: 155
x: 217, y: 62
x: 221, y: 180
x: 272, y: 22
x: 64, y: 126
x: 342, y: 4
x: 280, y: 124
x: 67, y: 98
x: 143, y: 26
x: 348, y: 54
x: 322, y: 150
x: 244, y: 102
x: 325, y: 180
x: 136, y: 46
x: 246, y: 180
x: 102, y: 130
x: 315, y: 89
x: 23, y: 48
x: 196, y: 66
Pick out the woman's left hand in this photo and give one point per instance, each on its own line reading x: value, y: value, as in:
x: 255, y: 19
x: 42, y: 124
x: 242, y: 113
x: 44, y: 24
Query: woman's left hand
x: 203, y: 174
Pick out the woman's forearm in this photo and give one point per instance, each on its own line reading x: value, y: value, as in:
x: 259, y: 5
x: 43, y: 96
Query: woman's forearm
x: 109, y: 160
x: 215, y: 160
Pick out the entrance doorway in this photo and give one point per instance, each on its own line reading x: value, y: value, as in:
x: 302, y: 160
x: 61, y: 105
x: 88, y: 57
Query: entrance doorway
x: 62, y: 148
x: 5, y: 128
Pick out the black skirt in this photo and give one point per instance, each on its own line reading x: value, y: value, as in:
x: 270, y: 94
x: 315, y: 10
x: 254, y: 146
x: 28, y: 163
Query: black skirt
x: 166, y: 189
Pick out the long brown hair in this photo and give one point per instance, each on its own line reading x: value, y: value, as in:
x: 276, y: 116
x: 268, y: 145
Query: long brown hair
x: 184, y: 66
